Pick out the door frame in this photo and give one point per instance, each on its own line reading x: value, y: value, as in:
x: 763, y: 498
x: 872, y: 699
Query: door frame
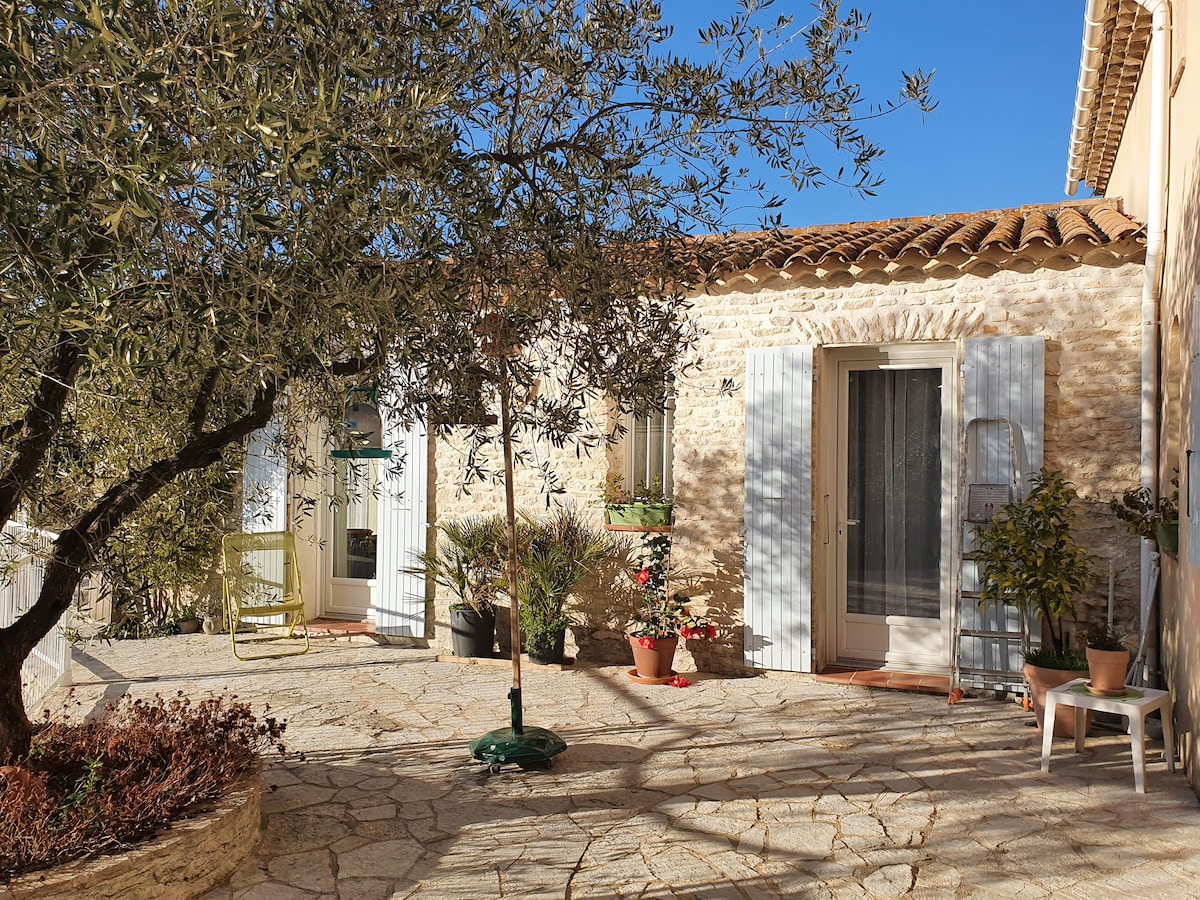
x: 322, y: 531
x: 946, y: 355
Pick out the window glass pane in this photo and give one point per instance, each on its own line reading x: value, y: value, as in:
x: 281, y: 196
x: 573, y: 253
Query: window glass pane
x: 648, y: 449
x: 355, y: 518
x: 894, y: 551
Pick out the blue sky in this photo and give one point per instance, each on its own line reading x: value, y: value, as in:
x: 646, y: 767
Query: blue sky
x: 1005, y: 83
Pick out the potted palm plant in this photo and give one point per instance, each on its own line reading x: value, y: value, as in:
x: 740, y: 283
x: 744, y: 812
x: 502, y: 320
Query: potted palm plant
x: 555, y: 553
x: 1028, y: 558
x: 468, y: 560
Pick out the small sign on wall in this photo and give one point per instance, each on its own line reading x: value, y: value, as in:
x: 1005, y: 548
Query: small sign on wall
x: 985, y: 501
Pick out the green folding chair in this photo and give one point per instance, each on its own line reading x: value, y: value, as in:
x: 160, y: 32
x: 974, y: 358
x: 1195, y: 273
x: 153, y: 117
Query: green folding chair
x: 262, y: 592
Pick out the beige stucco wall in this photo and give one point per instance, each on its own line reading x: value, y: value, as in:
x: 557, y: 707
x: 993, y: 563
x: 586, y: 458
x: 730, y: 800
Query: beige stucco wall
x: 1087, y: 312
x: 1180, y: 594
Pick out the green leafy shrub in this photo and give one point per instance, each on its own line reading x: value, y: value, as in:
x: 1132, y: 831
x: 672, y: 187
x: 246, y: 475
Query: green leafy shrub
x: 1028, y: 557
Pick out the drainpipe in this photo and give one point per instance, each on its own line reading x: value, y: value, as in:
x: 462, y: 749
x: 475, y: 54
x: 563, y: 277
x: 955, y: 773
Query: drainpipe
x: 1156, y: 219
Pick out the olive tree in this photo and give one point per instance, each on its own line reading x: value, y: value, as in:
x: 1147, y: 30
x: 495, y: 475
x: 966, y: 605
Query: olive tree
x: 206, y: 207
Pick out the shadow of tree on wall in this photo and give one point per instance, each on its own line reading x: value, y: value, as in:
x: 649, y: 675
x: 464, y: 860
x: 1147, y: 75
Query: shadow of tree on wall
x: 710, y: 504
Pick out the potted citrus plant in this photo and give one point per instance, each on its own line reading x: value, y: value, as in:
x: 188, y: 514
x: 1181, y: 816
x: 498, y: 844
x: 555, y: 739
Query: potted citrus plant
x: 1029, y: 559
x: 645, y: 506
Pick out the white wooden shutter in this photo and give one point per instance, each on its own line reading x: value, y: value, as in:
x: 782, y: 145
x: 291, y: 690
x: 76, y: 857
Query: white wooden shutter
x: 264, y: 480
x: 778, y: 509
x: 403, y: 514
x: 1004, y: 378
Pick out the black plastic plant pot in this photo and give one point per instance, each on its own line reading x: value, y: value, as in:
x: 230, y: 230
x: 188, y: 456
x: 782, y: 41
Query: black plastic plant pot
x: 472, y: 634
x: 546, y: 649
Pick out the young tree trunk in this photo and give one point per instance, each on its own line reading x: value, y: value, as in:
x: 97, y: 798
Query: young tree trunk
x: 15, y: 729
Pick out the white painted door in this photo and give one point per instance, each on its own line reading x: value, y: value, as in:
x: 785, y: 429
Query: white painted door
x: 375, y: 528
x: 354, y: 538
x: 894, y: 491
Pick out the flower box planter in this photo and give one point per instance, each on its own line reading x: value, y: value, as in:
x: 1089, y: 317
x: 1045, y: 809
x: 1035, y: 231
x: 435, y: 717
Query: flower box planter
x: 1167, y: 536
x: 648, y: 515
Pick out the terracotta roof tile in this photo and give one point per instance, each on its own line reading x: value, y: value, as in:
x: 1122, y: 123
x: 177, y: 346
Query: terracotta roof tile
x: 1003, y: 236
x: 1123, y: 46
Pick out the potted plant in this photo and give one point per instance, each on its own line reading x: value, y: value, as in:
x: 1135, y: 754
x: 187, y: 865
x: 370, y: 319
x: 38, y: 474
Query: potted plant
x: 645, y: 506
x: 1108, y: 661
x: 1153, y: 521
x: 187, y: 618
x: 1028, y: 558
x: 468, y: 560
x: 555, y: 553
x: 654, y: 631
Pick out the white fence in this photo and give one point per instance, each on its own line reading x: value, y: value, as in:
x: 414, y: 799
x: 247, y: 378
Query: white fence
x: 23, y: 552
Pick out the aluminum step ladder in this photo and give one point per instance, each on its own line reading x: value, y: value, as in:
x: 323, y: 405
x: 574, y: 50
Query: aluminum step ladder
x: 988, y: 644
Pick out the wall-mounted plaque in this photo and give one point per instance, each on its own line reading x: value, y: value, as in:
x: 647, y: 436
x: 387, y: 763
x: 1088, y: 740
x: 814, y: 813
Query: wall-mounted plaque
x: 984, y: 501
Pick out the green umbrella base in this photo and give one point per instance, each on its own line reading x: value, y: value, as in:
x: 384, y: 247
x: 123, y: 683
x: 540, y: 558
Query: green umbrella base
x: 528, y: 748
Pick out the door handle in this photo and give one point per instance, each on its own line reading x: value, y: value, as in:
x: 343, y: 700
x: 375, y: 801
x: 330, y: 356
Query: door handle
x: 842, y: 528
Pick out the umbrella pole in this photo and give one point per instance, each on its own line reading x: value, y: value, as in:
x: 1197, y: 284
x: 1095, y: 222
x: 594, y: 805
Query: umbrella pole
x: 516, y: 744
x: 510, y: 514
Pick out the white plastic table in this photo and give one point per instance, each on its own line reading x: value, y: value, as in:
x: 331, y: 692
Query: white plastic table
x: 1136, y: 703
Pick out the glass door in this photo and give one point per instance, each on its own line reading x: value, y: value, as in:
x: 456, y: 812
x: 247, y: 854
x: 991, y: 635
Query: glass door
x: 894, y: 500
x: 354, y: 538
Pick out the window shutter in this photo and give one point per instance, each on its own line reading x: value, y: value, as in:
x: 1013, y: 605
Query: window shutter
x: 264, y: 480
x: 403, y: 513
x: 778, y: 509
x: 1004, y: 378
x: 1192, y: 497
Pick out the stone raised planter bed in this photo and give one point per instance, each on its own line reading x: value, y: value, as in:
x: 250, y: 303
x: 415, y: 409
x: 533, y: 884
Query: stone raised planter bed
x: 192, y: 857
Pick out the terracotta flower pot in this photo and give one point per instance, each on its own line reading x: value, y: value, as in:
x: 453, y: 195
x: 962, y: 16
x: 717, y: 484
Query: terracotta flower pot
x: 1107, y: 669
x: 1041, y: 680
x: 654, y: 662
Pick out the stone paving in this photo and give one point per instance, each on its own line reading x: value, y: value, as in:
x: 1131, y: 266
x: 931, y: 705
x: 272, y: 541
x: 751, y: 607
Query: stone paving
x: 767, y: 787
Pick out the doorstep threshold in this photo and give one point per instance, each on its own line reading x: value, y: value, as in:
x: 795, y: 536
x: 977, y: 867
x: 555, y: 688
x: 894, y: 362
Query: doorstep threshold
x: 886, y: 679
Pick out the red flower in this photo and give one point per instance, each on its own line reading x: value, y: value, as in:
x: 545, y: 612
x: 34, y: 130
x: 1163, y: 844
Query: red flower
x: 642, y: 577
x: 679, y: 681
x: 647, y: 642
x: 712, y: 631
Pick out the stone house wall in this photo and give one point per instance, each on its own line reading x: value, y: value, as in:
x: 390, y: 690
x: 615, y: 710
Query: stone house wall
x: 1087, y: 311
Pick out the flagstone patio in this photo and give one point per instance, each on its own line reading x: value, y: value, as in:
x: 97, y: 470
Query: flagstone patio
x: 768, y: 787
